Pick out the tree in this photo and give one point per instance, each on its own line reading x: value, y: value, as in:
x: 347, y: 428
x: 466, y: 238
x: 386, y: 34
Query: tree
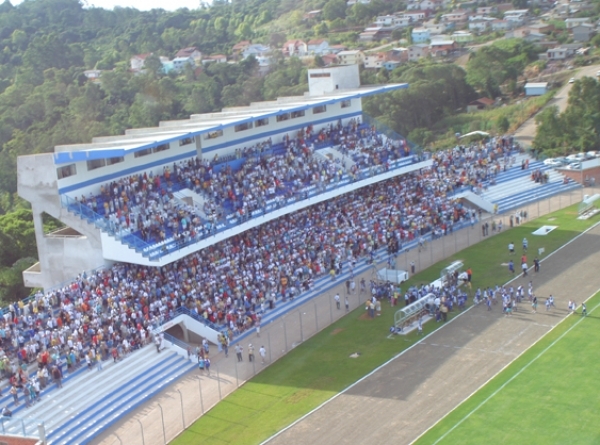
x: 334, y: 9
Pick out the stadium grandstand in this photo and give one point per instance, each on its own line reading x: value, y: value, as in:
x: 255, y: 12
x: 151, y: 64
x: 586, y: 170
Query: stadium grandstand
x: 213, y: 223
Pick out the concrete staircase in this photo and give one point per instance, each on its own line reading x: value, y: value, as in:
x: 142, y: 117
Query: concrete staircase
x: 92, y: 400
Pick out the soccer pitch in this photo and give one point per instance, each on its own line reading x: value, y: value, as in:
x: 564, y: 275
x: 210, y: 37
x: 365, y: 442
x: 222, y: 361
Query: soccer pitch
x: 546, y: 396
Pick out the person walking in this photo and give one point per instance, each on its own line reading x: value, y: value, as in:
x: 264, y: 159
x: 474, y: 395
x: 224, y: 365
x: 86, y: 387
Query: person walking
x: 525, y: 244
x: 263, y: 353
x: 347, y: 304
x: 524, y: 267
x: 536, y: 264
x: 238, y: 352
x: 250, y: 353
x: 534, y: 304
x: 511, y: 248
x: 337, y: 301
x: 583, y: 310
x: 511, y: 267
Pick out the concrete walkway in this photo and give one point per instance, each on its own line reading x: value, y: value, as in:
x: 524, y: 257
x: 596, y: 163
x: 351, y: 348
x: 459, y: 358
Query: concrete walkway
x: 161, y: 418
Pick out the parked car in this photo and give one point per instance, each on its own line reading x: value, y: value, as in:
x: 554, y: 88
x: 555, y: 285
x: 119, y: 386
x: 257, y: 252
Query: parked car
x: 592, y: 154
x: 574, y: 166
x: 572, y: 80
x: 553, y: 162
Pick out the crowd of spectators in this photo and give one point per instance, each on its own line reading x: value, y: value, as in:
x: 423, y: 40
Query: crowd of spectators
x: 112, y: 311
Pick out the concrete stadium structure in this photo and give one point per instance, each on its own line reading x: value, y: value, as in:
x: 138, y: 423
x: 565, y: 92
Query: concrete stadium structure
x: 53, y: 182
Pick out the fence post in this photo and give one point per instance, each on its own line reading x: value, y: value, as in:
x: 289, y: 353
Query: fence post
x: 114, y: 434
x: 301, y: 327
x: 285, y: 335
x: 237, y: 380
x: 219, y: 382
x: 142, y: 428
x: 316, y: 318
x: 330, y: 309
x: 162, y: 418
x: 201, y: 398
x: 182, y: 411
x: 269, y: 343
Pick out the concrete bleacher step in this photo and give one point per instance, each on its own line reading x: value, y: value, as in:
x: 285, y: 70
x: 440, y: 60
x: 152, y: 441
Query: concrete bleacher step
x: 140, y: 388
x: 90, y: 396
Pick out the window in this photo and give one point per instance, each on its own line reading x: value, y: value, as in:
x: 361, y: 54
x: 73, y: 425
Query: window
x: 283, y: 117
x: 262, y: 122
x: 243, y: 127
x: 111, y: 161
x: 161, y: 147
x: 346, y: 103
x: 213, y: 134
x: 66, y: 171
x: 145, y: 152
x: 298, y: 113
x: 314, y: 75
x: 95, y: 163
x: 319, y: 109
x: 185, y: 141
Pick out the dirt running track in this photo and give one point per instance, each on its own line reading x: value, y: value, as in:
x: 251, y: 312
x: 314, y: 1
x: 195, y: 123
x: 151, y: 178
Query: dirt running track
x: 403, y: 399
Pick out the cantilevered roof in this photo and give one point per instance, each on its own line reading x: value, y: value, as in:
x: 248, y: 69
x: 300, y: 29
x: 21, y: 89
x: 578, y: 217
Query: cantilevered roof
x: 170, y: 131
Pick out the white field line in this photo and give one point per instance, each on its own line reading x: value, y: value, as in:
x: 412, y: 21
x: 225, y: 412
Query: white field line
x: 509, y: 380
x: 278, y: 433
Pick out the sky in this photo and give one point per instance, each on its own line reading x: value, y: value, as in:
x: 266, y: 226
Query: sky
x: 142, y: 5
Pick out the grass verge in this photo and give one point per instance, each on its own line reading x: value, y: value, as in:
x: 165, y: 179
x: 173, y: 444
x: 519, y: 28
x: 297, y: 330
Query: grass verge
x: 546, y: 396
x: 319, y: 368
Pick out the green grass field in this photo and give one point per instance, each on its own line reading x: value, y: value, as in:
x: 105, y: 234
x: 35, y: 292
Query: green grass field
x: 547, y: 396
x: 319, y: 368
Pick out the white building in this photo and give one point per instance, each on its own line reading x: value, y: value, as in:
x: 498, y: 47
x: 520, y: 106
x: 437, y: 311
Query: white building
x: 54, y: 183
x: 350, y: 57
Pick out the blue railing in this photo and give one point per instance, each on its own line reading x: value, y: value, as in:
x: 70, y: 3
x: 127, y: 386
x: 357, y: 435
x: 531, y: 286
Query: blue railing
x: 183, y: 345
x: 155, y: 251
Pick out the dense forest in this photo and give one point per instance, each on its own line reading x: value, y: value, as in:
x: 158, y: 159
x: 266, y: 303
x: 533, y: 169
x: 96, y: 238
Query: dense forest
x: 46, y: 100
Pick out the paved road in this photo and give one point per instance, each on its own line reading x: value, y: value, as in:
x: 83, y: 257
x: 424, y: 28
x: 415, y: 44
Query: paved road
x: 526, y: 133
x: 399, y: 402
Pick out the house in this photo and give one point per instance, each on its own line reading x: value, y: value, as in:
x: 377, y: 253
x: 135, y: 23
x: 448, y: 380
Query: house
x: 192, y: 52
x: 374, y: 34
x: 486, y: 10
x: 384, y: 20
x: 217, y: 58
x: 535, y: 37
x: 442, y: 47
x: 418, y: 51
x: 179, y: 63
x: 310, y: 15
x: 536, y: 88
x: 462, y: 37
x: 541, y: 28
x: 455, y: 17
x: 137, y: 62
x: 420, y: 35
x: 415, y: 16
x: 238, y: 48
x: 318, y: 47
x: 93, y: 75
x: 374, y: 60
x: 583, y: 32
x: 391, y: 21
x: 397, y: 54
x: 480, y: 104
x: 577, y: 21
x: 517, y: 16
x: 435, y: 28
x: 329, y: 59
x: 501, y: 25
x: 479, y: 25
x: 256, y: 49
x: 351, y: 57
x: 295, y: 48
x: 391, y: 64
x: 557, y: 53
x: 335, y: 49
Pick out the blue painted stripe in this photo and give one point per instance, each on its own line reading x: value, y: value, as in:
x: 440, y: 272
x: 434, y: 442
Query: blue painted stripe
x: 85, y: 155
x: 119, y: 393
x: 189, y: 154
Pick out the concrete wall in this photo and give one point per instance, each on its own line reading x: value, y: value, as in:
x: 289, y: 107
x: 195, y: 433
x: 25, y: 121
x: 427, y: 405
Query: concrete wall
x: 578, y: 175
x: 327, y: 80
x: 61, y: 257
